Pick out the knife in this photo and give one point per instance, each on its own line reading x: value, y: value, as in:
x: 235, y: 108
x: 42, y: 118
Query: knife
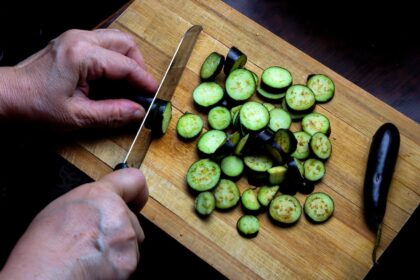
x: 169, y: 81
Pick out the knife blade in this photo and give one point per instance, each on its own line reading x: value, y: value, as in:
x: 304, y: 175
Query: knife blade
x: 169, y: 81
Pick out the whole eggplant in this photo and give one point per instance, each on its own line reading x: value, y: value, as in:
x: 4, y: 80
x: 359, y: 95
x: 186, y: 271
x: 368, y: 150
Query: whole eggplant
x: 380, y: 167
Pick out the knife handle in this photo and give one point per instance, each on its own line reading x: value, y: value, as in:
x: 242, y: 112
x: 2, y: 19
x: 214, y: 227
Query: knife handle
x: 121, y: 165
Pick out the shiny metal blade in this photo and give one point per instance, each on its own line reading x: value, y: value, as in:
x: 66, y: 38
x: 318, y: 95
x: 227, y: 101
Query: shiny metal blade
x: 172, y: 75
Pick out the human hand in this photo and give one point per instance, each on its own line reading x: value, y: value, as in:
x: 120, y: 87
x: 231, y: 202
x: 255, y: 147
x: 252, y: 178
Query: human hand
x: 88, y: 233
x: 52, y: 85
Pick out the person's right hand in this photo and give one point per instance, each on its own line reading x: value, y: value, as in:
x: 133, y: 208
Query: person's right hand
x: 52, y: 85
x: 88, y: 233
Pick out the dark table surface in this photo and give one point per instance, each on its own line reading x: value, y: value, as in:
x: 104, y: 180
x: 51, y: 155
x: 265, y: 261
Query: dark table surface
x: 374, y: 44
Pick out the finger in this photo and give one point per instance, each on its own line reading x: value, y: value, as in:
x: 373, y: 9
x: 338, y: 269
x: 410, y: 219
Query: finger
x: 113, y: 65
x: 116, y: 40
x: 105, y: 113
x: 130, y: 185
x: 136, y: 226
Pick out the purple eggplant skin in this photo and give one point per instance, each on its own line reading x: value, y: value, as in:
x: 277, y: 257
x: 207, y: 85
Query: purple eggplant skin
x: 380, y: 167
x: 382, y: 159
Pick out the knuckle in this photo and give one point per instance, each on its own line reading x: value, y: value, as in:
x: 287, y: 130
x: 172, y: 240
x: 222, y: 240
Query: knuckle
x: 130, y: 233
x: 97, y: 190
x: 115, y: 118
x: 126, y: 265
x: 75, y: 50
x: 72, y: 33
x: 102, y: 195
x: 130, y: 260
x: 82, y: 116
x: 94, y: 190
x: 67, y: 35
x: 130, y: 40
x: 127, y: 38
x: 71, y: 44
x: 131, y: 264
x: 133, y: 65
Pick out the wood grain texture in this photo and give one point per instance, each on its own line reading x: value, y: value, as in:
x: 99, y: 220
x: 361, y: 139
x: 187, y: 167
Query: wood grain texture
x: 340, y: 248
x: 361, y: 50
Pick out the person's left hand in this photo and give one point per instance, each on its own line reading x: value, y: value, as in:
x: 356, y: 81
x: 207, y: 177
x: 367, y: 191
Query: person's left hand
x: 52, y: 85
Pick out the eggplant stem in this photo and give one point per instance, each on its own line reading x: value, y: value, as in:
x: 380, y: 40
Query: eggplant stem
x: 376, y: 245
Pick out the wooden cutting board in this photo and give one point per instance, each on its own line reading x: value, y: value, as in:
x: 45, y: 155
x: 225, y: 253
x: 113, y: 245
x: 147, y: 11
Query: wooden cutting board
x: 340, y: 248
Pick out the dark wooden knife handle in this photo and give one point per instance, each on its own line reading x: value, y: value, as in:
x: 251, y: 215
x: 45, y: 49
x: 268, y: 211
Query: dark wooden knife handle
x: 121, y: 165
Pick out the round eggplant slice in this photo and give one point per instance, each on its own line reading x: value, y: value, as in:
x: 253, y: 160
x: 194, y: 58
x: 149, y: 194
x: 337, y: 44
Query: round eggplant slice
x: 285, y: 209
x: 248, y: 226
x: 319, y: 207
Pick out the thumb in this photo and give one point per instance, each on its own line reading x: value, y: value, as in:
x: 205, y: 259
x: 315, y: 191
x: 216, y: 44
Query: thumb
x: 129, y: 184
x: 105, y: 113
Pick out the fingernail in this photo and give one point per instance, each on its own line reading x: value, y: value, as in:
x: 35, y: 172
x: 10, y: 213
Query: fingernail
x: 138, y: 114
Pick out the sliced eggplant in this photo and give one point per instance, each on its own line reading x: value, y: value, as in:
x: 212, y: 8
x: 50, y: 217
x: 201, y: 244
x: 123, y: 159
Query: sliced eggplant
x: 285, y: 209
x: 248, y: 226
x: 212, y: 66
x: 234, y: 59
x: 205, y: 203
x: 203, y: 175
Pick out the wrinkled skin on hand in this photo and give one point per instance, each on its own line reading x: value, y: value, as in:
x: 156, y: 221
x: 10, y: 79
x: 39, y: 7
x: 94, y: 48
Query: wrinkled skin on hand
x: 88, y: 233
x: 52, y: 85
